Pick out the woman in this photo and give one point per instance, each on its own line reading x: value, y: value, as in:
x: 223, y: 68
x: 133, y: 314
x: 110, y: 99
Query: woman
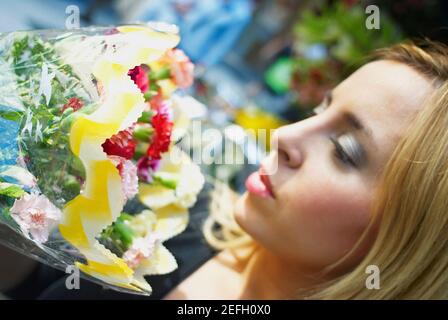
x: 363, y: 182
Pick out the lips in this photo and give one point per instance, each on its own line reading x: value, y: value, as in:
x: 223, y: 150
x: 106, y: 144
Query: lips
x: 267, y: 182
x: 259, y: 184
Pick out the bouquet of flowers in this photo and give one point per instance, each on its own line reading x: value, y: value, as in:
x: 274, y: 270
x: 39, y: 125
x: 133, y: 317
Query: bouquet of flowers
x: 89, y: 171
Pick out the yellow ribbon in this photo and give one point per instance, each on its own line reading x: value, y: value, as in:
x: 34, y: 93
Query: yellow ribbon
x: 101, y: 200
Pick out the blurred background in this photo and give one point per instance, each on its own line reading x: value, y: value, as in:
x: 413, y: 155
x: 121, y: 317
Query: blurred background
x: 259, y: 63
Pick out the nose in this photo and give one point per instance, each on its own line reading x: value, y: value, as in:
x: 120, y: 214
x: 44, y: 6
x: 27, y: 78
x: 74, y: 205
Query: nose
x: 286, y: 142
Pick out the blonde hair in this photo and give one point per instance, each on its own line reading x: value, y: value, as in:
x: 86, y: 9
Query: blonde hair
x: 410, y: 208
x: 220, y: 228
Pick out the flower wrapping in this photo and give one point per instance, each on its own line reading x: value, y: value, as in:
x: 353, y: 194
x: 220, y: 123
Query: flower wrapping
x: 89, y: 171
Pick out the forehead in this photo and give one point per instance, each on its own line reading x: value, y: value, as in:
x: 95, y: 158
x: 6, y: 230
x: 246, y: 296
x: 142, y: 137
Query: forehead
x: 383, y: 95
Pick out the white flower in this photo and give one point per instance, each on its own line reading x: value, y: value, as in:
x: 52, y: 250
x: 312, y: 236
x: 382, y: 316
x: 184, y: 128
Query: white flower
x: 143, y: 223
x: 189, y: 184
x: 35, y: 215
x: 184, y: 109
x: 141, y: 249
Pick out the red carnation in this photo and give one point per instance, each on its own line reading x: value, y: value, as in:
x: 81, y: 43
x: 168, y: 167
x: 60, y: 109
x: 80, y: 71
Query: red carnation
x: 74, y: 103
x: 122, y: 144
x: 162, y: 135
x: 140, y: 78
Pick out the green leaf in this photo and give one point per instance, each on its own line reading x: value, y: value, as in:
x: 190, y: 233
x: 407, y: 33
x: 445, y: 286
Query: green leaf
x: 146, y: 116
x: 19, y: 47
x: 10, y: 115
x: 125, y: 232
x: 11, y: 190
x: 125, y: 217
x: 118, y: 237
x: 163, y: 73
x: 143, y: 132
x: 166, y: 179
x: 150, y: 94
x: 140, y: 151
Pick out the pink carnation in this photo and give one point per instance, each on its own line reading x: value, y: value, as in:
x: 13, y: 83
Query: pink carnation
x: 128, y: 173
x: 35, y: 215
x: 182, y: 68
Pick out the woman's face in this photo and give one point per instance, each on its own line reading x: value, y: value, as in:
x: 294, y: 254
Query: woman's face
x: 310, y: 202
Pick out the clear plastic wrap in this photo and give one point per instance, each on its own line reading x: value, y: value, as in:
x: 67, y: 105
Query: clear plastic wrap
x: 89, y: 171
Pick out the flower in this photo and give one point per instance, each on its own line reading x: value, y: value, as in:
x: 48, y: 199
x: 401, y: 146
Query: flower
x: 157, y: 101
x: 143, y: 223
x: 162, y: 134
x: 140, y: 78
x: 181, y: 68
x: 174, y: 164
x: 74, y: 103
x: 128, y: 173
x: 141, y: 249
x: 35, y: 215
x: 121, y: 144
x: 146, y: 167
x: 183, y: 110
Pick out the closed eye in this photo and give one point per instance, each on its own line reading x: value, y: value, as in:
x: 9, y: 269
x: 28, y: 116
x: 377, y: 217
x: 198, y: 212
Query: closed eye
x: 341, y: 154
x: 348, y: 150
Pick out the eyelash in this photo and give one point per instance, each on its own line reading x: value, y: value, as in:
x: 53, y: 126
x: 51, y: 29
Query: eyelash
x: 341, y: 154
x: 339, y: 151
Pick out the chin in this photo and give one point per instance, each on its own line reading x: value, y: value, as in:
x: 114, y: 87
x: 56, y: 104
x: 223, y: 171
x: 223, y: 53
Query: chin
x: 247, y: 215
x: 240, y: 210
x: 254, y: 221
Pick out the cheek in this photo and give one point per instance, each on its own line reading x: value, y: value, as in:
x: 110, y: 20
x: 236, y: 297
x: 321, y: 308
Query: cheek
x: 326, y: 218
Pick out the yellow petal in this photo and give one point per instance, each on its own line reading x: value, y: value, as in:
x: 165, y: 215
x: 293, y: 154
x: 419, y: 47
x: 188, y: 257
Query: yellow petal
x: 154, y: 196
x: 159, y: 40
x: 171, y: 221
x: 162, y: 262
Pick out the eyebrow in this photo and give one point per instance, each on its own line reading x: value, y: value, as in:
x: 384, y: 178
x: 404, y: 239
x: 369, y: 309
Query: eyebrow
x: 349, y: 117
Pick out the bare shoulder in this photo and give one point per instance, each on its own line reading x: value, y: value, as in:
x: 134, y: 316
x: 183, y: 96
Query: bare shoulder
x: 218, y: 278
